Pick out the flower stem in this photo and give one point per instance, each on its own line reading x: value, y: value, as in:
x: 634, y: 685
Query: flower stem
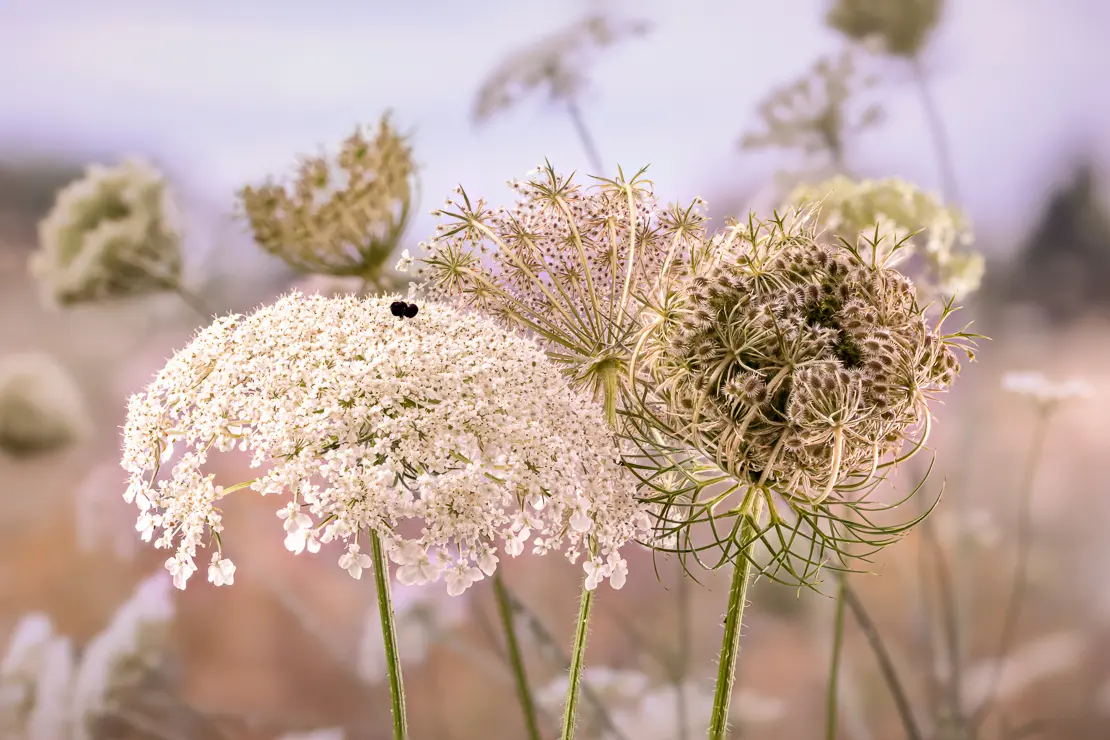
x: 832, y: 696
x: 516, y: 661
x: 734, y: 617
x: 389, y: 636
x: 577, y: 660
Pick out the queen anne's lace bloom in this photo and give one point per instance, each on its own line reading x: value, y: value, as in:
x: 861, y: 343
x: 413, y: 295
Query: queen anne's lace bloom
x: 112, y: 233
x: 370, y: 420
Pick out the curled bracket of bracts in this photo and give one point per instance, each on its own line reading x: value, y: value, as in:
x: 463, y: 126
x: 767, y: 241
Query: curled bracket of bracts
x: 785, y: 380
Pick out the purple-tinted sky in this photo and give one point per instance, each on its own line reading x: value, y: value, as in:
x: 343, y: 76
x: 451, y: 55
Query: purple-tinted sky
x: 225, y: 92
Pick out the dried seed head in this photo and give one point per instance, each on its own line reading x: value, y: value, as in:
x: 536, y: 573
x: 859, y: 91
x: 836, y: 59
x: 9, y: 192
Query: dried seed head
x: 813, y: 366
x: 41, y: 408
x: 812, y: 114
x: 341, y: 214
x: 898, y: 27
x: 898, y: 224
x: 554, y: 63
x: 110, y: 234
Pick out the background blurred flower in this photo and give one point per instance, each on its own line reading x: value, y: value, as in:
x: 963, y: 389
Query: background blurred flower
x: 912, y: 229
x: 41, y: 407
x: 898, y: 27
x: 342, y: 214
x: 113, y: 233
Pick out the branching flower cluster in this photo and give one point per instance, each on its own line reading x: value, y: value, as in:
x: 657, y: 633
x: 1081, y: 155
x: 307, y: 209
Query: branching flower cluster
x: 900, y: 27
x: 572, y: 265
x: 113, y: 233
x: 368, y: 421
x: 912, y: 229
x: 340, y: 215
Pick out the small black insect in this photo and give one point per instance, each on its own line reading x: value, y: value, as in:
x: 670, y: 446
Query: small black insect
x: 402, y: 309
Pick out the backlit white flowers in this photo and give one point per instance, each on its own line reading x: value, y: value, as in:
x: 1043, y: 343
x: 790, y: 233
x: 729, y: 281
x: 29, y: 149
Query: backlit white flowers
x: 1044, y: 390
x: 367, y: 421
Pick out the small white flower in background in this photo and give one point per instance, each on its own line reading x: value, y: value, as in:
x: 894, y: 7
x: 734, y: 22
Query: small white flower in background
x: 423, y: 615
x: 119, y: 659
x: 1027, y: 665
x: 331, y: 733
x: 1044, y: 391
x: 19, y: 672
x: 50, y: 719
x: 41, y: 407
x: 112, y: 233
x: 446, y: 418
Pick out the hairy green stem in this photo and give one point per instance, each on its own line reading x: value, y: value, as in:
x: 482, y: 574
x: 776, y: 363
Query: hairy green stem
x: 832, y: 696
x: 577, y: 662
x: 389, y: 637
x: 734, y: 617
x: 516, y: 660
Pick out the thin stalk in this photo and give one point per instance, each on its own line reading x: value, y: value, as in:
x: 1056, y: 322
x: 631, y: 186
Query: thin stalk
x: 938, y: 131
x: 832, y: 697
x: 682, y: 662
x: 1020, y: 579
x: 886, y: 664
x: 734, y: 617
x: 516, y: 660
x: 193, y: 302
x: 389, y: 637
x: 584, y: 135
x: 577, y: 662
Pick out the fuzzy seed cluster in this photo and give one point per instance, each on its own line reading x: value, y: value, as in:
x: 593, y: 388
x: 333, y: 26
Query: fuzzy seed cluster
x: 449, y: 437
x: 341, y: 214
x: 112, y: 233
x: 798, y: 366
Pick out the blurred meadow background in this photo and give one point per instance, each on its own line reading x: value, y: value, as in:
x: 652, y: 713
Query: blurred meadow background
x: 999, y: 107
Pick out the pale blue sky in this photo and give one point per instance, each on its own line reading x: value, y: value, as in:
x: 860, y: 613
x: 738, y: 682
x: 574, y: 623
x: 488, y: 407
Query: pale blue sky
x: 224, y: 92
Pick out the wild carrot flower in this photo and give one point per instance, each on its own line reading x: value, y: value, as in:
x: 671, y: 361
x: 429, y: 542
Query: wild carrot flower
x: 41, y: 407
x: 113, y: 233
x: 341, y: 214
x: 370, y: 420
x: 912, y: 229
x: 799, y: 369
x: 571, y: 265
x: 814, y: 114
x: 900, y: 27
x: 554, y: 63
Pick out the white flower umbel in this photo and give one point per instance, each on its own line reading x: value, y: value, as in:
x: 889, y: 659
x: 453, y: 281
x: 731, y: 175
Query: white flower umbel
x: 118, y: 659
x: 23, y: 663
x: 41, y: 408
x: 368, y: 420
x: 423, y: 615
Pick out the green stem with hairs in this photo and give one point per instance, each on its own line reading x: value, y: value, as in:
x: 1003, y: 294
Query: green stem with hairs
x: 577, y: 662
x: 389, y: 637
x: 734, y: 617
x: 516, y: 660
